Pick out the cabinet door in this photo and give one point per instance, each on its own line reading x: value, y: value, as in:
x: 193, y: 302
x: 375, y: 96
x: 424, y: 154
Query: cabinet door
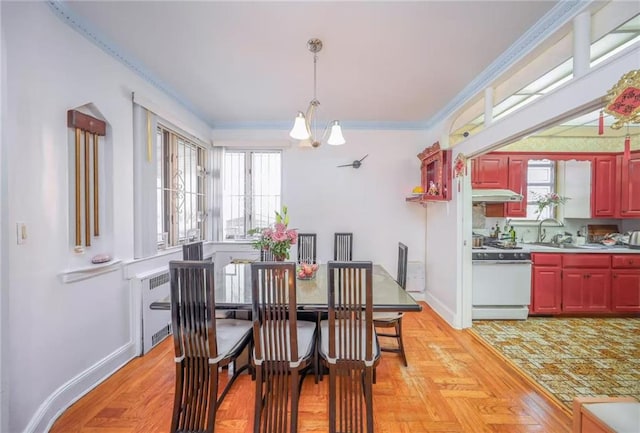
x: 517, y: 181
x: 625, y: 291
x: 489, y: 172
x: 603, y: 199
x: 546, y: 290
x: 586, y: 290
x: 630, y: 186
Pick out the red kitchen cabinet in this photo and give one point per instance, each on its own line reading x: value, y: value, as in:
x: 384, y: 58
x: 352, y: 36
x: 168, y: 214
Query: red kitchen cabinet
x: 489, y: 172
x: 625, y: 291
x: 604, y: 191
x: 625, y: 283
x: 517, y: 181
x: 586, y: 290
x: 630, y: 186
x: 586, y: 283
x: 546, y: 287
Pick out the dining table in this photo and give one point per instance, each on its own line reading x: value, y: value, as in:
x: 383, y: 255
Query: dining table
x: 233, y: 291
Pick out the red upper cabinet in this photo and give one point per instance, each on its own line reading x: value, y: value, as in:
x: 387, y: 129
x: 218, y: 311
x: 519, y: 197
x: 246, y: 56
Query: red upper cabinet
x: 490, y: 172
x: 630, y: 186
x: 604, y: 191
x: 517, y: 181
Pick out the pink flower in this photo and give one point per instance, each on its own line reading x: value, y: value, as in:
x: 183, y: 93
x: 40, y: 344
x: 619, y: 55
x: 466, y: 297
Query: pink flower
x: 280, y: 228
x: 280, y: 236
x: 293, y: 236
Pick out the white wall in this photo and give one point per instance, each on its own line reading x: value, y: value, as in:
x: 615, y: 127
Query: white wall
x: 62, y: 338
x: 368, y: 201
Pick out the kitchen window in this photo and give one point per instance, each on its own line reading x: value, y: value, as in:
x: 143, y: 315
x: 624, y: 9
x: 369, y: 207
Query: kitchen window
x: 251, y: 191
x: 181, y: 188
x: 541, y: 180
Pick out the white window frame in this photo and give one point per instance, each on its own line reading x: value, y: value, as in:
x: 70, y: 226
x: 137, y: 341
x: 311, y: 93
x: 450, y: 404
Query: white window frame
x: 249, y: 195
x: 174, y: 230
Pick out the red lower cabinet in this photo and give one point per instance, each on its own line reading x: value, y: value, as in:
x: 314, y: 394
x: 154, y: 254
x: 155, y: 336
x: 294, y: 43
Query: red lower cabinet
x: 625, y: 291
x: 586, y: 291
x: 585, y: 283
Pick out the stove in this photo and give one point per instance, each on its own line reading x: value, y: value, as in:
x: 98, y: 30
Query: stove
x: 501, y: 255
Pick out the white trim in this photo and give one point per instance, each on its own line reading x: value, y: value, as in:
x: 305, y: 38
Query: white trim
x: 73, y: 390
x: 443, y: 311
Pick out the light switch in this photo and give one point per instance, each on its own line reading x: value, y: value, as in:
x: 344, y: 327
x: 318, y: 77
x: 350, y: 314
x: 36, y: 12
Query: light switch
x: 21, y: 233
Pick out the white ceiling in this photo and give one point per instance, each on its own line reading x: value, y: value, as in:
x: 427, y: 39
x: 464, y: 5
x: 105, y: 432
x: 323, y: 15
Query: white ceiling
x: 244, y: 64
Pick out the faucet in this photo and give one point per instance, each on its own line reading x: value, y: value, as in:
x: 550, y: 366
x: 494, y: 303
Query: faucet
x: 542, y: 235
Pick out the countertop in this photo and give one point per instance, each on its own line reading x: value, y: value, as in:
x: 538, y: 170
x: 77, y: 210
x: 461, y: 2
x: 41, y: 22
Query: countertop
x: 587, y: 248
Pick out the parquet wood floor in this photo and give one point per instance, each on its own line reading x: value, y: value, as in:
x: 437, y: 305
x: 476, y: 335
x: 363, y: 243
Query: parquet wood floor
x: 453, y: 384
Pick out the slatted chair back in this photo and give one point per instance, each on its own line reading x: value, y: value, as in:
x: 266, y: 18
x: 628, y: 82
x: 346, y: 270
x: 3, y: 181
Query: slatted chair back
x: 283, y: 347
x: 274, y: 296
x: 351, y: 332
x: 267, y: 256
x: 307, y: 248
x: 192, y: 251
x: 343, y: 247
x: 403, y: 253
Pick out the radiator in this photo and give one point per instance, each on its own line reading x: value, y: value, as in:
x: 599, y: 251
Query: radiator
x: 156, y: 324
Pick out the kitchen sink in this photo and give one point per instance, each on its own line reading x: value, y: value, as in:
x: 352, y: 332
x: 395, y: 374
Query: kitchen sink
x: 552, y: 245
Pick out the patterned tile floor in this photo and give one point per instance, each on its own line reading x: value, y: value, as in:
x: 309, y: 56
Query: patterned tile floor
x: 571, y: 357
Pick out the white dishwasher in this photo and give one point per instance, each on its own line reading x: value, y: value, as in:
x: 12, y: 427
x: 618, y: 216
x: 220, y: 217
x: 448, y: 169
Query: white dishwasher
x: 501, y: 284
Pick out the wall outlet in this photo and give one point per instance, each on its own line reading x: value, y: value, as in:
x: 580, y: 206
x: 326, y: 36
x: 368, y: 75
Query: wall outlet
x: 21, y: 233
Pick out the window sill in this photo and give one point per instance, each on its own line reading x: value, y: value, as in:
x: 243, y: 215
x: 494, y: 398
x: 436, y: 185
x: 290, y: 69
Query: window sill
x: 72, y: 275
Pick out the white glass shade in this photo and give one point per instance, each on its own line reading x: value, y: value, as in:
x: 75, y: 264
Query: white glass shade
x: 299, y: 130
x: 335, y: 137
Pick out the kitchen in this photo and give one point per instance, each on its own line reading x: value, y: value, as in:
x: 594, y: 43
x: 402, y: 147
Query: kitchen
x: 595, y: 220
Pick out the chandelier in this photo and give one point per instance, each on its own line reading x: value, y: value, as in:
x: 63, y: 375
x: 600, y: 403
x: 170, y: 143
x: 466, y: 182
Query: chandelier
x: 304, y: 127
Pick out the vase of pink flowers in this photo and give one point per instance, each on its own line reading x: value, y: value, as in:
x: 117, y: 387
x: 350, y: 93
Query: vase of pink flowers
x: 278, y: 238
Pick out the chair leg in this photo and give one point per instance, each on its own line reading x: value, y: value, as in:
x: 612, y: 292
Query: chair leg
x: 258, y: 400
x: 213, y: 397
x: 400, y: 342
x: 332, y: 398
x: 295, y: 395
x: 368, y: 397
x: 177, y: 400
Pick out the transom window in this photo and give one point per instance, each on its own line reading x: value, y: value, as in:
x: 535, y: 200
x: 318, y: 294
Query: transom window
x: 251, y: 191
x: 181, y: 188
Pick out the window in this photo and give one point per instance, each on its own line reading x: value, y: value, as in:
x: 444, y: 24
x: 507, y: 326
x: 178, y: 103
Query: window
x: 541, y: 179
x: 180, y: 188
x: 251, y: 190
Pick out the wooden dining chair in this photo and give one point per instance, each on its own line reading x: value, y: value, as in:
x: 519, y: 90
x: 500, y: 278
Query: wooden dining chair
x: 195, y: 251
x: 342, y: 247
x: 267, y: 256
x: 284, y: 347
x: 192, y: 251
x: 348, y: 346
x: 307, y: 248
x: 394, y: 320
x: 202, y: 344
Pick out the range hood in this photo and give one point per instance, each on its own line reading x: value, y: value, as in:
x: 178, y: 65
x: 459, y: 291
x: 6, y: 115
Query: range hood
x: 495, y: 196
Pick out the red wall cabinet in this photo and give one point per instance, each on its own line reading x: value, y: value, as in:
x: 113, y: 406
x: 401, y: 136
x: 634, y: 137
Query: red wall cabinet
x: 630, y: 186
x: 604, y: 191
x: 489, y: 172
x: 517, y: 181
x: 546, y: 293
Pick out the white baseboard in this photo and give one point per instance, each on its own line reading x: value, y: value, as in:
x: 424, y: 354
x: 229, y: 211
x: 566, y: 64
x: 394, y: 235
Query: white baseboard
x: 443, y: 311
x: 77, y: 387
